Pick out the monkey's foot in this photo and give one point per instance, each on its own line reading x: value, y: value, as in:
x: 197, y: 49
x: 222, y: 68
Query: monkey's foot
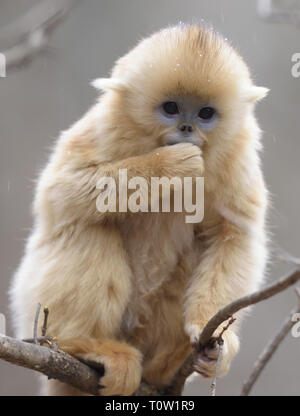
x: 122, y: 363
x: 205, y: 357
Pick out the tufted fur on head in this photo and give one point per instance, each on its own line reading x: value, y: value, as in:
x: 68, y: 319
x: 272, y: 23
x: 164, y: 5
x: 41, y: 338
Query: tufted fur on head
x: 181, y: 60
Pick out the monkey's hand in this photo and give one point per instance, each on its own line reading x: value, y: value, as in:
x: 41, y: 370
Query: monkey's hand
x: 122, y: 363
x: 183, y: 160
x: 205, y: 357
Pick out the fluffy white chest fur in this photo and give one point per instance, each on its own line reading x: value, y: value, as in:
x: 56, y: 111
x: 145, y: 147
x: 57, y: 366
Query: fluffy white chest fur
x: 166, y: 237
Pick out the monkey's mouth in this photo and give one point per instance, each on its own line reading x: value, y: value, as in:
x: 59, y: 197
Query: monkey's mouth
x: 175, y: 139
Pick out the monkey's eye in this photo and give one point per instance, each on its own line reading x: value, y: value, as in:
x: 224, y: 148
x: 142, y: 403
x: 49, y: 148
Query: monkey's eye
x: 206, y: 113
x: 170, y: 107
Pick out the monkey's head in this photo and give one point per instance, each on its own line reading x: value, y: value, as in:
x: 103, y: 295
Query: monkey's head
x: 183, y: 84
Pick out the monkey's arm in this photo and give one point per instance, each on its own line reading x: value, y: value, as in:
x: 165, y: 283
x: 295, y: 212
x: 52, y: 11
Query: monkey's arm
x: 233, y: 260
x: 69, y: 185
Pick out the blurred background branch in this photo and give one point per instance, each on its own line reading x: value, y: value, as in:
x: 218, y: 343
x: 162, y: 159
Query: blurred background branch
x: 270, y: 349
x: 279, y: 11
x: 30, y: 34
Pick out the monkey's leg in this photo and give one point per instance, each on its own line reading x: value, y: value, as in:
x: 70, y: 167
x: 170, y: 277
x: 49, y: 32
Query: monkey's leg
x: 87, y: 286
x: 122, y: 367
x: 161, y: 369
x: 122, y: 363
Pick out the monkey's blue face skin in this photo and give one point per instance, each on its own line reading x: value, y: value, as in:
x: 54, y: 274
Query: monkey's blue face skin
x: 189, y: 116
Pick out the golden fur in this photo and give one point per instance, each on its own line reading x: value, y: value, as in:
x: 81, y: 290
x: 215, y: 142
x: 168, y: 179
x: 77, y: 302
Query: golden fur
x: 134, y: 290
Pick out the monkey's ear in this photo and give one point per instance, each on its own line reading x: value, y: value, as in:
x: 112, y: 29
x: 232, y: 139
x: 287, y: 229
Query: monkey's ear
x: 256, y: 93
x: 105, y: 84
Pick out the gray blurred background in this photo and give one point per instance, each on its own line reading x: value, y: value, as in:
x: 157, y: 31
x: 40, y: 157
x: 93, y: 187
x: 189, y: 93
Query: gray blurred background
x: 46, y: 96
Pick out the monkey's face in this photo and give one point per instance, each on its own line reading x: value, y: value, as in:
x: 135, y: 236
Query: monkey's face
x: 186, y: 119
x: 183, y: 84
x: 207, y: 110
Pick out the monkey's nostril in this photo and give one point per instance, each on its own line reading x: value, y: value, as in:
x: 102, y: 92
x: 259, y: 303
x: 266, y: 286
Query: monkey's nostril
x: 186, y: 128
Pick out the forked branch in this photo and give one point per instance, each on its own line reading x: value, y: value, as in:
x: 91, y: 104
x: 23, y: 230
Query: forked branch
x: 63, y: 367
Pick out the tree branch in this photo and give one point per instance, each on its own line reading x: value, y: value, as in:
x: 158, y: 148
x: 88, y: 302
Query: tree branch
x: 54, y: 364
x: 36, y: 321
x: 31, y: 33
x: 229, y: 310
x: 269, y: 351
x: 224, y: 314
x: 63, y: 367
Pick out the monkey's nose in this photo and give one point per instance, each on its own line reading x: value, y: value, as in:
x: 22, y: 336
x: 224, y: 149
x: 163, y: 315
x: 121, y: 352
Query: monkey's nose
x: 186, y: 128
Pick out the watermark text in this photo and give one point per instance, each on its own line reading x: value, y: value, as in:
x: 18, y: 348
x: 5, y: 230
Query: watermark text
x: 166, y: 195
x: 2, y: 324
x: 2, y: 65
x: 296, y: 67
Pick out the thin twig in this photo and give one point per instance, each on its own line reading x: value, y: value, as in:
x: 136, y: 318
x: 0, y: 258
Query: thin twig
x: 286, y: 257
x: 44, y: 327
x: 214, y: 382
x: 220, y: 342
x: 268, y: 352
x: 35, y: 326
x: 230, y: 322
x: 40, y: 340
